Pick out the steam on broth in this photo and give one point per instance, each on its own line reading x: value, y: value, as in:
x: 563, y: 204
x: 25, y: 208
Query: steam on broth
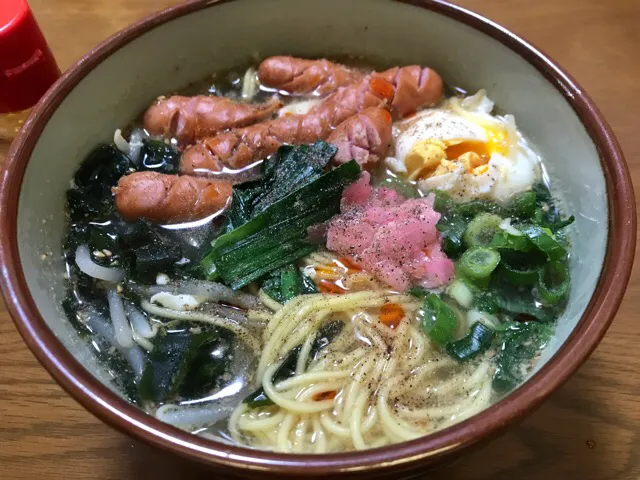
x: 312, y: 257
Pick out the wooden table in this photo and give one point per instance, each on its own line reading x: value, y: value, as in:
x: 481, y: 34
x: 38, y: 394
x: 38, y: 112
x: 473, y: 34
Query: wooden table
x: 589, y: 429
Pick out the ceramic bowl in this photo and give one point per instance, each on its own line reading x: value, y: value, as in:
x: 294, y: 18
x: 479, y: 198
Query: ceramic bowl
x: 114, y: 83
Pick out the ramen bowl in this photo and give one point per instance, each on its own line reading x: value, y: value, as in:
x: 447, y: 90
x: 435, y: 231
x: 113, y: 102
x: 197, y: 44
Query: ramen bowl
x: 171, y: 49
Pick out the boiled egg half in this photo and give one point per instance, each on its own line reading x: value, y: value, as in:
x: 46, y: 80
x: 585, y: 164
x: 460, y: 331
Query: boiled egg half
x: 462, y: 149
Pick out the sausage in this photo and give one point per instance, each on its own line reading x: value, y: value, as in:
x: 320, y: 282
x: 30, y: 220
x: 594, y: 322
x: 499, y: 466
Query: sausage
x: 365, y: 137
x: 298, y: 76
x: 414, y: 87
x: 404, y: 89
x: 169, y: 198
x: 189, y: 119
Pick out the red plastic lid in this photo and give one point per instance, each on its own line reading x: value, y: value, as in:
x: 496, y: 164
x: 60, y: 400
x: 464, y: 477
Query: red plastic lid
x: 27, y: 66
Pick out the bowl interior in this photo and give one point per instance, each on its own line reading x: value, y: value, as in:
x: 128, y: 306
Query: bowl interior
x: 197, y: 45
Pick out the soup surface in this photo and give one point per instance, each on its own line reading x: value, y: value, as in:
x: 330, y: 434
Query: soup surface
x: 307, y: 256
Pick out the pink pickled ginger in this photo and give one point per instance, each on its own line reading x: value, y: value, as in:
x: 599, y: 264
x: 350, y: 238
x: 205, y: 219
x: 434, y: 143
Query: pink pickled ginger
x: 393, y: 238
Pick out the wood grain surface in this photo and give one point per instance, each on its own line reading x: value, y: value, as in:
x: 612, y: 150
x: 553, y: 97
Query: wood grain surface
x: 589, y: 429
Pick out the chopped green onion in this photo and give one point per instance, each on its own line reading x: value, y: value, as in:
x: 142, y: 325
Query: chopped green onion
x: 438, y: 319
x: 519, y: 276
x: 544, y: 240
x: 553, y: 283
x: 472, y: 344
x: 473, y: 283
x: 452, y: 227
x: 481, y: 230
x: 479, y: 262
x: 461, y: 293
x: 508, y: 241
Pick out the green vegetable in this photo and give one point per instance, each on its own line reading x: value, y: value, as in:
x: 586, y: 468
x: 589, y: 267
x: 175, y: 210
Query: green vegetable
x: 547, y: 214
x: 291, y: 169
x: 442, y: 202
x: 481, y: 230
x: 418, y: 292
x: 206, y: 370
x: 553, y: 283
x: 308, y: 285
x: 479, y: 262
x: 155, y: 257
x: 461, y: 293
x: 277, y: 236
x: 544, y: 240
x: 437, y: 319
x: 486, y: 302
x: 477, y: 207
x: 403, y: 187
x: 283, y: 284
x: 158, y: 156
x: 519, y: 276
x: 473, y: 283
x: 507, y: 241
x: 452, y: 227
x: 472, y: 344
x: 518, y: 344
x: 170, y: 361
x: 287, y: 368
x: 524, y: 205
x: 517, y: 301
x: 101, y: 170
x: 82, y: 206
x: 91, y: 195
x: 286, y: 283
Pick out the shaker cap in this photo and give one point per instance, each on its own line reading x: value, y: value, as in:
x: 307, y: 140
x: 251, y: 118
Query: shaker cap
x: 27, y: 66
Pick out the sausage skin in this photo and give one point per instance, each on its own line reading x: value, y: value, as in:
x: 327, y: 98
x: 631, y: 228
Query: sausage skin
x: 403, y: 89
x: 364, y: 137
x: 298, y: 76
x: 169, y: 198
x: 189, y: 119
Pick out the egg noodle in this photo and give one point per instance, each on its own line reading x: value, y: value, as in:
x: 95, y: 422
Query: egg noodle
x: 372, y: 385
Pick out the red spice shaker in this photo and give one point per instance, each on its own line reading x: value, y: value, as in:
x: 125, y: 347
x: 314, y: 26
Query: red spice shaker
x: 27, y: 66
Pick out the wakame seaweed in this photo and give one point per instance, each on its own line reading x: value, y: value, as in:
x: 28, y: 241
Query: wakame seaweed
x: 159, y: 157
x: 518, y: 344
x: 184, y: 362
x: 287, y: 368
x: 101, y: 170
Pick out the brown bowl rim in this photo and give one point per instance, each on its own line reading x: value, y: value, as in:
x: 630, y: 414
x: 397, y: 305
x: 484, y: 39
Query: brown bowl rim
x: 112, y: 409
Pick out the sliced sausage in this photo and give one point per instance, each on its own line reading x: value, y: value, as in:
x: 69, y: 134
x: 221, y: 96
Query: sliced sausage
x: 169, y: 198
x: 298, y: 76
x: 403, y: 91
x: 189, y: 119
x: 365, y: 137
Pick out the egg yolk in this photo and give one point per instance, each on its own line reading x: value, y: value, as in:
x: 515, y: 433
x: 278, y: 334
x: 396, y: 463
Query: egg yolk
x: 424, y: 158
x: 436, y: 157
